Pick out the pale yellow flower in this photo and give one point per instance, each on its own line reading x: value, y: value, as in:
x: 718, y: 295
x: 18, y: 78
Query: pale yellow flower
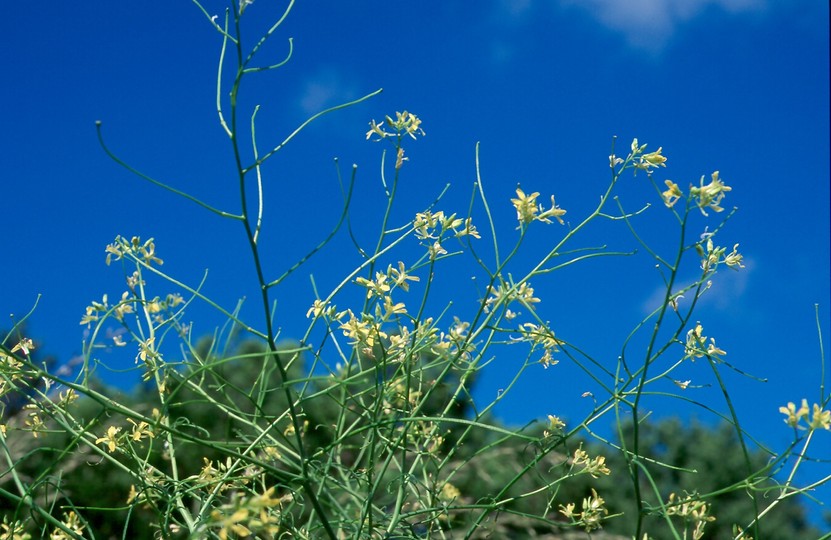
x: 377, y: 287
x: 653, y: 159
x: 140, y: 430
x: 682, y: 384
x: 14, y: 530
x: 425, y: 224
x: 555, y: 423
x: 375, y: 129
x: 794, y: 415
x: 469, y: 230
x: 712, y: 350
x: 400, y: 276
x: 404, y: 124
x: 711, y: 194
x: 449, y: 493
x: 317, y: 309
x: 124, y: 307
x: 110, y: 439
x: 672, y: 194
x: 391, y: 308
x: 436, y: 250
x: 72, y: 522
x: 361, y: 331
x: 526, y: 206
x: 554, y: 212
x: 820, y: 418
x: 25, y: 345
x: 592, y: 512
x: 734, y: 259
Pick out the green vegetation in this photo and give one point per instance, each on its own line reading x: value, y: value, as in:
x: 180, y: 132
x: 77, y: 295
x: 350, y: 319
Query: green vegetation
x: 366, y: 427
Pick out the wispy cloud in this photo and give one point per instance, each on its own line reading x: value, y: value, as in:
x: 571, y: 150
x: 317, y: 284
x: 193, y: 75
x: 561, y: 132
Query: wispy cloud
x: 650, y: 24
x: 726, y: 292
x: 325, y: 88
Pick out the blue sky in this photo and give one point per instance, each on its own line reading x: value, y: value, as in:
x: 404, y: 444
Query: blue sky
x: 739, y: 86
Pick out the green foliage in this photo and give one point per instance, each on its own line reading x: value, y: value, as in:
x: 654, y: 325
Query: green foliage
x: 365, y: 427
x: 704, y: 462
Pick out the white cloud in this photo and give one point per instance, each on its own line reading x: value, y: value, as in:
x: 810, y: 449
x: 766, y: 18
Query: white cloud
x: 325, y: 88
x: 726, y: 293
x: 649, y: 24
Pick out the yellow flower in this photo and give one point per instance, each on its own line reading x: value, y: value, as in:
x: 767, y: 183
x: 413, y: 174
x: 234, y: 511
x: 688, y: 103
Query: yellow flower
x: 712, y: 350
x: 793, y: 414
x: 124, y: 307
x: 654, y: 159
x: 636, y: 148
x: 527, y: 209
x: 391, y: 309
x: 449, y: 493
x: 526, y: 206
x: 72, y: 522
x: 13, y: 531
x: 374, y: 128
x: 734, y: 259
x: 469, y: 230
x: 554, y: 212
x: 25, y: 345
x: 111, y: 439
x: 425, y: 224
x: 648, y: 161
x: 672, y: 194
x: 361, y: 331
x: 377, y: 287
x: 404, y: 124
x: 400, y: 276
x: 525, y: 294
x: 711, y: 194
x: 820, y: 418
x: 436, y: 250
x: 140, y: 430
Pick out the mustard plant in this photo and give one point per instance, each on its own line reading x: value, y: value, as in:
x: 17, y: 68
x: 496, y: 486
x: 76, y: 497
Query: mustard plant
x: 366, y: 426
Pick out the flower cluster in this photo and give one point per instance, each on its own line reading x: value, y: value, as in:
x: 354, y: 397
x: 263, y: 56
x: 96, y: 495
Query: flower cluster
x: 505, y: 294
x: 453, y: 342
x: 696, y: 345
x: 528, y: 210
x: 541, y: 336
x: 692, y: 509
x: 640, y: 159
x: 433, y: 227
x: 113, y: 439
x: 248, y: 516
x: 820, y: 419
x: 449, y: 493
x: 705, y: 196
x: 712, y: 255
x: 555, y: 426
x: 13, y: 530
x: 711, y: 194
x: 362, y: 331
x: 592, y: 466
x: 405, y: 123
x: 591, y: 515
x: 144, y: 252
x: 11, y: 367
x: 71, y: 522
